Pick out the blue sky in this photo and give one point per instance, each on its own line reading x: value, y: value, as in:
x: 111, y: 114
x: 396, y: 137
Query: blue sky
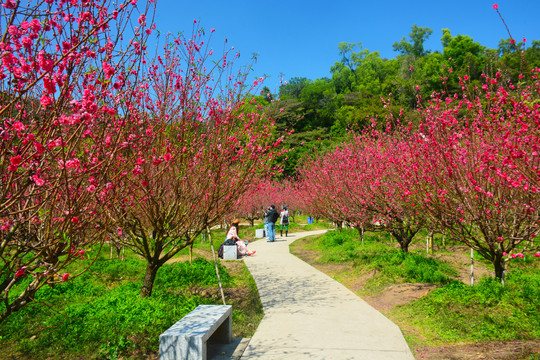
x: 300, y: 38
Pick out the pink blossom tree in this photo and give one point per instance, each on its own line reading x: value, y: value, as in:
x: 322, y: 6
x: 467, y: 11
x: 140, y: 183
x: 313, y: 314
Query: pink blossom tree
x: 191, y: 151
x: 364, y: 182
x: 252, y: 203
x: 60, y: 127
x: 478, y: 166
x: 265, y: 192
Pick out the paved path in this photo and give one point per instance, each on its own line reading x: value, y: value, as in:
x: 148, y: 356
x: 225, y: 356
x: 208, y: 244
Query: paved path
x: 308, y: 315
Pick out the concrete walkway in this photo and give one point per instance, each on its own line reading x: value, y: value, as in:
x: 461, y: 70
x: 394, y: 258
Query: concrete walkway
x: 308, y: 315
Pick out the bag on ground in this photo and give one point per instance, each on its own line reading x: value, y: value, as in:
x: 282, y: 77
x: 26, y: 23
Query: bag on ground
x: 220, y: 251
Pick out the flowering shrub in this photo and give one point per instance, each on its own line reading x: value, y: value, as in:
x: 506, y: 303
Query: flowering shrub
x: 478, y: 166
x: 471, y: 168
x: 366, y: 183
x: 265, y: 192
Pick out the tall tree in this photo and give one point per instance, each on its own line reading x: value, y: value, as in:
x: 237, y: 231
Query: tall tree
x: 415, y: 45
x: 293, y: 88
x: 191, y: 151
x: 465, y: 54
x: 64, y: 67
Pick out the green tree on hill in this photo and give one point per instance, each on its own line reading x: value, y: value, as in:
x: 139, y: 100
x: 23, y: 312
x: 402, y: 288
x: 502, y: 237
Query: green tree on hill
x: 415, y: 46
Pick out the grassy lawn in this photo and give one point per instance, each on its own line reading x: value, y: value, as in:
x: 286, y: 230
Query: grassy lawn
x: 100, y: 315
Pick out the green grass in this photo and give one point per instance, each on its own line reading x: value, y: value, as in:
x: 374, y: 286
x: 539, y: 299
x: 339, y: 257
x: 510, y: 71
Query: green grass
x: 391, y: 265
x: 101, y: 315
x: 458, y: 313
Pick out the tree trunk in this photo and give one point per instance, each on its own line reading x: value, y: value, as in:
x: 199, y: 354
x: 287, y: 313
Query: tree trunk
x: 361, y: 233
x: 149, y: 277
x: 404, y: 245
x: 499, y: 267
x: 403, y: 240
x: 26, y: 297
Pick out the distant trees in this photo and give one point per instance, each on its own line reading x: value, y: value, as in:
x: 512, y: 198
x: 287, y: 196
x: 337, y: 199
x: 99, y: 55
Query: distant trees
x: 330, y: 107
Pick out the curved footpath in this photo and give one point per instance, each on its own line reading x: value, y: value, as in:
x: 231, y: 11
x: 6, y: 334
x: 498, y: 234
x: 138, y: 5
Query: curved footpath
x: 308, y: 315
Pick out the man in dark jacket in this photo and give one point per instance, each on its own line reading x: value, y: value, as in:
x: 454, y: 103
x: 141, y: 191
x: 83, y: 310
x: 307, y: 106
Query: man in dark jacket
x: 270, y: 218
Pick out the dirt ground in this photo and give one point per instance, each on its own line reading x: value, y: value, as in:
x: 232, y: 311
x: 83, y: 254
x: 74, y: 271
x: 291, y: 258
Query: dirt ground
x: 401, y: 294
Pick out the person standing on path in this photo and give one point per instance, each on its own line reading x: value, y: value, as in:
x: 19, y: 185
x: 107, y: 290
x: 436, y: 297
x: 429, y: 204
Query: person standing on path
x: 270, y: 218
x: 284, y: 220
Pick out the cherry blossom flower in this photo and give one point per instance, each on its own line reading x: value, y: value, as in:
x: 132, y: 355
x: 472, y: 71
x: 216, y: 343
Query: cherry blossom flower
x: 20, y: 272
x: 38, y: 180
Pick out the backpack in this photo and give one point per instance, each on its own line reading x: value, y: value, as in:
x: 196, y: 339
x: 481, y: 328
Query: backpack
x: 275, y: 216
x: 220, y: 251
x: 285, y: 219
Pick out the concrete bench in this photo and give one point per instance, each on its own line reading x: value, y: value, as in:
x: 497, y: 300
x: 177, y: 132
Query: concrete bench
x: 259, y: 233
x: 188, y: 338
x: 230, y: 252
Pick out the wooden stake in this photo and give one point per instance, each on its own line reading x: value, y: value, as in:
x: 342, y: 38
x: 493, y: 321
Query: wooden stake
x: 472, y: 267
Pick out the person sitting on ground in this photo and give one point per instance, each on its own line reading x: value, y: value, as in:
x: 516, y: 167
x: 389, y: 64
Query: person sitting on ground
x: 240, y: 244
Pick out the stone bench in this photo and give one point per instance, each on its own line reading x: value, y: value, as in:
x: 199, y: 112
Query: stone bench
x: 259, y: 233
x: 230, y: 252
x: 188, y: 338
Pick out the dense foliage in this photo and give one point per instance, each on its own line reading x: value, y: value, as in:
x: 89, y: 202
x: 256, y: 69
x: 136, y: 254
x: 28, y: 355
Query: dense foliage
x: 321, y: 111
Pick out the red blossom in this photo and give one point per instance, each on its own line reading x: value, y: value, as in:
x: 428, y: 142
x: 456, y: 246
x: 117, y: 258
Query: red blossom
x: 45, y: 101
x: 16, y: 160
x: 9, y: 4
x: 38, y: 180
x: 20, y: 272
